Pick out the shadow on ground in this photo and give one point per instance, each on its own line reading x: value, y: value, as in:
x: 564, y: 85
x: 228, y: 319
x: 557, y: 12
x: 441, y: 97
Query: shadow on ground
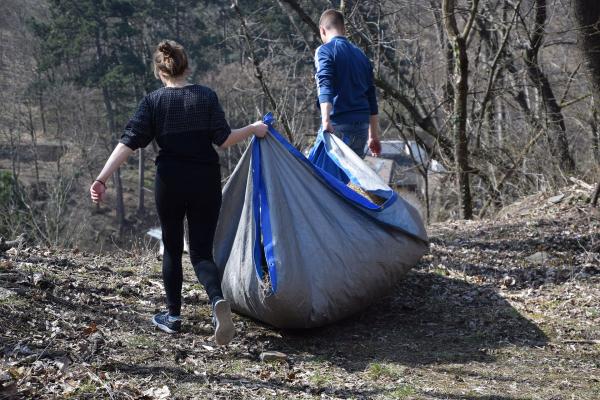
x: 428, y: 319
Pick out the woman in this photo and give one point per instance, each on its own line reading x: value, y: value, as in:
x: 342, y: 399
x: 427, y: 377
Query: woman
x: 185, y: 120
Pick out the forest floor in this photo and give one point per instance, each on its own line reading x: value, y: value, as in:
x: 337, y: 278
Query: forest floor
x: 498, y: 309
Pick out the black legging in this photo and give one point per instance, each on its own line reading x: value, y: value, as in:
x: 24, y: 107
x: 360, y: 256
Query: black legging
x: 194, y: 191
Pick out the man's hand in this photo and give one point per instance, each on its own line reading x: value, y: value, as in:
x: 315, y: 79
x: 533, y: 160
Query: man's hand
x: 374, y: 143
x: 98, y: 191
x: 327, y: 126
x: 326, y: 117
x: 375, y: 146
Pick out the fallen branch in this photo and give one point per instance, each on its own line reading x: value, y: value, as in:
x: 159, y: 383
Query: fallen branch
x: 581, y: 341
x: 18, y: 242
x: 37, y: 356
x: 581, y: 183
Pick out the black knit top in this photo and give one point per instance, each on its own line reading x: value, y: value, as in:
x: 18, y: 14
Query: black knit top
x: 185, y: 121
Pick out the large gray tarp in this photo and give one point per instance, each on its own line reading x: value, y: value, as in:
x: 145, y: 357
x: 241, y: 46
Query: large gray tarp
x: 332, y: 256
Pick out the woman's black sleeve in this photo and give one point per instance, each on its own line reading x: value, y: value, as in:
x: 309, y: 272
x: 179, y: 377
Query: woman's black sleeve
x: 139, y: 131
x: 219, y: 128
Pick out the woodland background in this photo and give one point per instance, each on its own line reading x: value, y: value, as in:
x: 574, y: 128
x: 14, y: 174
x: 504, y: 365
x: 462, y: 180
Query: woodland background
x: 497, y: 91
x: 501, y: 92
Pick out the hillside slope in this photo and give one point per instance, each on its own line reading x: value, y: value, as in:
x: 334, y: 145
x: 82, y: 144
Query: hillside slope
x: 504, y: 309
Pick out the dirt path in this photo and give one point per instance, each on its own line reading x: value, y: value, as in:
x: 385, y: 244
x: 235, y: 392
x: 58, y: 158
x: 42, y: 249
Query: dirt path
x: 479, y: 318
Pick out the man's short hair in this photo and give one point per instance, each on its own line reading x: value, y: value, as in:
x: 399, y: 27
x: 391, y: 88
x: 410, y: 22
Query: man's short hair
x: 332, y: 19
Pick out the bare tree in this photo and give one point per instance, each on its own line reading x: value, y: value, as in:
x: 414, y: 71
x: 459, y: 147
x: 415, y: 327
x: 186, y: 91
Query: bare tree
x: 459, y: 42
x: 560, y: 145
x: 587, y: 16
x: 523, y: 96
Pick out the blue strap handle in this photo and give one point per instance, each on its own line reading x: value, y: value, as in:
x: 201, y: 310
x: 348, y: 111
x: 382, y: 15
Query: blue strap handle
x: 262, y: 220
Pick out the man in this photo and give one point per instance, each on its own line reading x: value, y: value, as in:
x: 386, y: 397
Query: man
x: 345, y: 87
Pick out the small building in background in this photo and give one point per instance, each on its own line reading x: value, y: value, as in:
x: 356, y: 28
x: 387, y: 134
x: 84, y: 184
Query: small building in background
x: 400, y: 165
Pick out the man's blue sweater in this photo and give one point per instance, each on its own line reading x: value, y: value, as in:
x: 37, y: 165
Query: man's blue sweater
x: 345, y: 78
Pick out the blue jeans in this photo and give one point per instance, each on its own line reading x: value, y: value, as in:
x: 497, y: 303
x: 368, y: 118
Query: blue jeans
x: 355, y: 135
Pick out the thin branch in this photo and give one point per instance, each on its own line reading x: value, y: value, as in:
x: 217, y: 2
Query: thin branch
x: 259, y: 74
x: 493, y: 75
x: 510, y: 172
x: 577, y: 100
x: 569, y: 82
x: 472, y: 15
x: 303, y: 15
x: 295, y: 25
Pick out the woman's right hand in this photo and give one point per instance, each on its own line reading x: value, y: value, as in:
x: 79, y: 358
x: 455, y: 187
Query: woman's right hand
x: 97, y: 191
x: 259, y: 129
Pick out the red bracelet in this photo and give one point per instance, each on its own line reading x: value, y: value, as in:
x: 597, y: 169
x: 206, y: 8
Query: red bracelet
x: 103, y: 184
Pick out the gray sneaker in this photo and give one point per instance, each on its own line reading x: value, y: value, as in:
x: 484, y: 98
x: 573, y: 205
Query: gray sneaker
x: 164, y: 323
x: 224, y: 329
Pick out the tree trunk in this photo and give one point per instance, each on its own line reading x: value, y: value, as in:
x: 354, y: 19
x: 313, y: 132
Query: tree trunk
x: 587, y: 17
x: 446, y: 47
x: 120, y: 204
x: 112, y: 126
x: 58, y: 117
x: 142, y: 159
x: 560, y: 144
x: 42, y: 110
x: 461, y: 91
x: 595, y: 133
x: 33, y: 135
x: 461, y: 149
x: 596, y: 195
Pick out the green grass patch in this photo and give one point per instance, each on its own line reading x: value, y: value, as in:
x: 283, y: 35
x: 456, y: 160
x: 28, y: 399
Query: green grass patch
x: 142, y: 341
x: 440, y: 271
x: 319, y: 359
x: 14, y: 301
x: 377, y: 371
x: 127, y: 269
x: 592, y: 312
x: 321, y: 379
x: 550, y: 304
x: 235, y: 367
x: 403, y: 392
x: 86, y: 387
x: 509, y: 312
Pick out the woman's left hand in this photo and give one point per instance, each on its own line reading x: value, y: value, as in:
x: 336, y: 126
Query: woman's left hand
x: 98, y: 191
x: 260, y: 129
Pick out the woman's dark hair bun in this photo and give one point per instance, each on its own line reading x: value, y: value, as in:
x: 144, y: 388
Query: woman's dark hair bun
x: 165, y: 48
x: 170, y: 58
